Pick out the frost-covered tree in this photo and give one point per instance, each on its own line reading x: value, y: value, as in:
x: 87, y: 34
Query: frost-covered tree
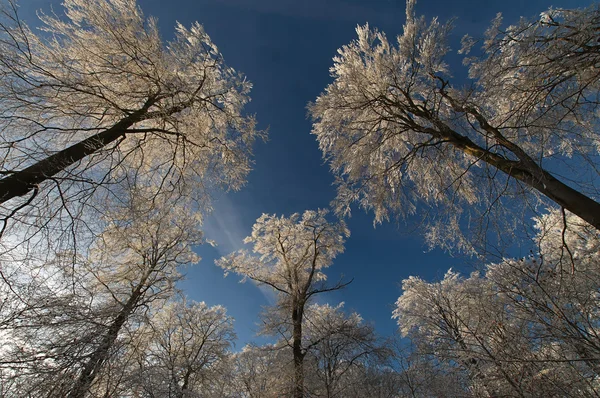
x: 183, y: 351
x: 342, y: 357
x: 412, y: 373
x: 261, y: 372
x: 75, y: 317
x: 290, y: 256
x: 397, y: 132
x: 97, y: 95
x: 338, y: 343
x: 525, y: 327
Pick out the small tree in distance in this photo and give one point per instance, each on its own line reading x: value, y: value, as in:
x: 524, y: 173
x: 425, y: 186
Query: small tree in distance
x: 338, y: 344
x: 186, y: 347
x: 291, y: 254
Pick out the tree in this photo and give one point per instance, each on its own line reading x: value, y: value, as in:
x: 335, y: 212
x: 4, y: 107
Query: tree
x: 526, y: 327
x: 184, y: 351
x: 397, y: 132
x: 99, y: 97
x: 340, y: 352
x: 417, y: 374
x: 261, y: 372
x: 338, y: 343
x: 292, y: 254
x: 76, y: 316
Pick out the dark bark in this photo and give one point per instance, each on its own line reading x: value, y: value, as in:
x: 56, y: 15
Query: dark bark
x: 297, y: 352
x: 525, y: 170
x: 21, y: 182
x: 101, y: 353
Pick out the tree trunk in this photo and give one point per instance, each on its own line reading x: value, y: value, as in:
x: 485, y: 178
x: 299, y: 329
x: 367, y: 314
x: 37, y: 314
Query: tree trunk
x: 99, y: 356
x: 297, y: 351
x: 22, y: 182
x: 568, y: 198
x: 186, y: 382
x: 527, y: 171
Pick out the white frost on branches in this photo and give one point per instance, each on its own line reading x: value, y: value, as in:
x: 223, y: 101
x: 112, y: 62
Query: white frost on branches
x: 398, y: 134
x: 527, y: 327
x: 289, y: 253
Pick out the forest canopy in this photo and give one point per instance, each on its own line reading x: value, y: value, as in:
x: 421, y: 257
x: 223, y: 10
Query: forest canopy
x: 123, y: 154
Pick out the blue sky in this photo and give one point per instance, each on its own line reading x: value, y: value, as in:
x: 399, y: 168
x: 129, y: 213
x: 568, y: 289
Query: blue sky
x: 285, y: 48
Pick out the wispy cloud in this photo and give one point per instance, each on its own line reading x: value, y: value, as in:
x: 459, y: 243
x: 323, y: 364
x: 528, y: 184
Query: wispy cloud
x: 226, y: 227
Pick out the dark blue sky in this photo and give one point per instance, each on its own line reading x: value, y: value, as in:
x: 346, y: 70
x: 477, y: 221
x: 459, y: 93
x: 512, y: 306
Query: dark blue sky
x: 285, y: 48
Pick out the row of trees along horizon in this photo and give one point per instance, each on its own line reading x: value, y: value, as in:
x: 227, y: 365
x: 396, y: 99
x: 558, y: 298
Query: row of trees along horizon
x: 110, y: 135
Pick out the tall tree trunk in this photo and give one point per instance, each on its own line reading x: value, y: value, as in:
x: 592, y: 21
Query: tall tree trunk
x: 297, y: 351
x: 22, y: 182
x: 185, y: 384
x: 525, y: 170
x: 100, y: 355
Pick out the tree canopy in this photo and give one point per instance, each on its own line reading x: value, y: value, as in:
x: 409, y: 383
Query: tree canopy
x: 291, y: 255
x: 399, y: 134
x: 97, y: 97
x: 116, y: 140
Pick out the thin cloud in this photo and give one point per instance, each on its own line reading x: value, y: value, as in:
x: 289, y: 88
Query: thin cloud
x: 226, y: 228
